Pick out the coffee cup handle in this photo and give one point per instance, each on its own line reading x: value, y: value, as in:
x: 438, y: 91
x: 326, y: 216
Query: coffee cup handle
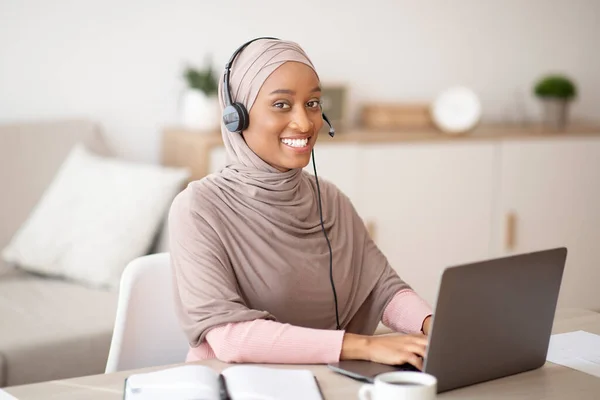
x: 366, y: 392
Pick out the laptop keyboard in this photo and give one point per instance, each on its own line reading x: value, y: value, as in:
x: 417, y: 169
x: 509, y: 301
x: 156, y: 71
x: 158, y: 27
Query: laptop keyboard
x: 407, y: 367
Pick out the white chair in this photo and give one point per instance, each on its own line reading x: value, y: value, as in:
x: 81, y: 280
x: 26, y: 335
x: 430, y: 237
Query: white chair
x: 146, y: 332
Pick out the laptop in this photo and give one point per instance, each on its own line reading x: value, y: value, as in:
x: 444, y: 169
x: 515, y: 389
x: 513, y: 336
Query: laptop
x: 493, y: 319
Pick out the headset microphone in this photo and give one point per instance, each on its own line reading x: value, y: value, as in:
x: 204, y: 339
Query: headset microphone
x: 331, y: 128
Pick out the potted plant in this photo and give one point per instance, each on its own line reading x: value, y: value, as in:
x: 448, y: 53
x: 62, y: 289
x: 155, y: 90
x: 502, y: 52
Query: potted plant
x: 556, y: 92
x: 200, y: 108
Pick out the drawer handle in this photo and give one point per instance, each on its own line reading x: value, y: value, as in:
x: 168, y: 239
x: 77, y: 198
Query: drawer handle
x: 371, y: 229
x: 511, y: 230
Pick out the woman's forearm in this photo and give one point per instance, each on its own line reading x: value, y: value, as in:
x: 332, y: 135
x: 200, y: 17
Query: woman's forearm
x: 354, y: 347
x: 264, y: 341
x: 273, y: 342
x: 406, y: 312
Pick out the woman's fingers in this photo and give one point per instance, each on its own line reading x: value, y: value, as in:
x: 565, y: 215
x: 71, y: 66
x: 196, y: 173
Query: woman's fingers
x: 415, y: 344
x: 411, y: 358
x: 415, y: 348
x: 419, y: 339
x: 398, y: 349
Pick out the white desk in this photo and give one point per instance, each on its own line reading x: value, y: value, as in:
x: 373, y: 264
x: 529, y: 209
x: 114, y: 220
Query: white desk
x: 549, y: 382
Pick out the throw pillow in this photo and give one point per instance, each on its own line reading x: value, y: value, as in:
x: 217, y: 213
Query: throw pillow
x: 96, y: 216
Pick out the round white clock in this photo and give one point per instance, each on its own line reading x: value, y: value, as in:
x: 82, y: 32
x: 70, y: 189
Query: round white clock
x: 456, y: 110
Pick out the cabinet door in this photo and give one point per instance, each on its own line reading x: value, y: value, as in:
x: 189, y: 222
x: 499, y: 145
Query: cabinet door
x: 550, y: 197
x: 431, y: 205
x: 339, y: 163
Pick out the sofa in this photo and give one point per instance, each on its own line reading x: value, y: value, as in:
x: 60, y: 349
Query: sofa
x: 51, y: 328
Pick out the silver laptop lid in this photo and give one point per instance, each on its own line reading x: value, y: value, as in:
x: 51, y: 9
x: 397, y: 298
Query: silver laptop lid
x: 494, y: 318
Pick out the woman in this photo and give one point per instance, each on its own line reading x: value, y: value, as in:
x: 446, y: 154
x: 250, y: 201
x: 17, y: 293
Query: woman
x: 250, y: 259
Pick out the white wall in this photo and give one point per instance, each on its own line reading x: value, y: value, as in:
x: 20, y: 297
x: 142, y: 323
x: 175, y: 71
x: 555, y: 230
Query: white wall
x: 119, y: 62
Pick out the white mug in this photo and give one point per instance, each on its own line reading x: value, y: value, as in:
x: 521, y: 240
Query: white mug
x: 401, y: 385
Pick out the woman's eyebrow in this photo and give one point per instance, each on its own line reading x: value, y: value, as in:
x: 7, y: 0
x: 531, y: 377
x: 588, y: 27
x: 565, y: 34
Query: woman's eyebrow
x: 291, y: 92
x: 283, y: 91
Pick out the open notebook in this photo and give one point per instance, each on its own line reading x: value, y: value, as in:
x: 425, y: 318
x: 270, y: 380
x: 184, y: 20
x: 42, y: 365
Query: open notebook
x: 243, y: 382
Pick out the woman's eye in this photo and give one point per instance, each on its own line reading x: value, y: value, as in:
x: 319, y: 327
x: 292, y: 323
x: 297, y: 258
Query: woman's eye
x: 281, y: 105
x: 314, y: 103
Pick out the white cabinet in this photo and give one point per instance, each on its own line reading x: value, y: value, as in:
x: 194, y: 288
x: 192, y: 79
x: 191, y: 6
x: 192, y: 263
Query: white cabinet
x: 431, y: 205
x: 340, y: 164
x: 549, y: 197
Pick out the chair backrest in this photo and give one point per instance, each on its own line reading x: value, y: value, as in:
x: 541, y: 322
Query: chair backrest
x: 147, y: 332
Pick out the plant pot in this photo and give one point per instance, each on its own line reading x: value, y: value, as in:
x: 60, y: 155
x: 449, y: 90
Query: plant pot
x: 200, y: 112
x: 556, y: 113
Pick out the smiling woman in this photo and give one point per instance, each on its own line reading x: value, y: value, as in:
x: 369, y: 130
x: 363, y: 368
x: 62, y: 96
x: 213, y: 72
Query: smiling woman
x: 256, y: 277
x: 286, y: 117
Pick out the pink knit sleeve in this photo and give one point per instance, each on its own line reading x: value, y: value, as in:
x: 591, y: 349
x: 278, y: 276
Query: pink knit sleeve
x: 273, y: 342
x: 406, y: 312
x: 264, y: 341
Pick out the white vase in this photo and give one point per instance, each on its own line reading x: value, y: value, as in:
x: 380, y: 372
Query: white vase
x: 556, y: 114
x: 200, y: 112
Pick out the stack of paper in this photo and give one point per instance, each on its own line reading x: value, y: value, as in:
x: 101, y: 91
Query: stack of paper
x: 579, y: 350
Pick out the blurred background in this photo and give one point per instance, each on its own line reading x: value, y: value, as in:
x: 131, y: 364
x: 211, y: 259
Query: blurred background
x: 120, y: 62
x: 465, y: 130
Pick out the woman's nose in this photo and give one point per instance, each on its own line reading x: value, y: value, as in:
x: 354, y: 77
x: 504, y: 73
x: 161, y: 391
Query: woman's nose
x: 301, y: 122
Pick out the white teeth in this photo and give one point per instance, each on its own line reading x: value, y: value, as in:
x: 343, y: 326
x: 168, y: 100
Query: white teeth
x: 295, y: 142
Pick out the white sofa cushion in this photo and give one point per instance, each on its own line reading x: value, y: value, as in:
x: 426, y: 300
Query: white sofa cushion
x: 31, y: 152
x: 98, y: 214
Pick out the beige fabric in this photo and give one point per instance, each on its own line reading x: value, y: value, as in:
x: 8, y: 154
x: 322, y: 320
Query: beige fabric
x: 52, y: 329
x: 247, y: 243
x: 49, y: 329
x: 30, y: 155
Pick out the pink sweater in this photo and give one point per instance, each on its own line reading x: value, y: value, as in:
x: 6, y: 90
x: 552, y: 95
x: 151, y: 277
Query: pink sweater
x: 263, y: 341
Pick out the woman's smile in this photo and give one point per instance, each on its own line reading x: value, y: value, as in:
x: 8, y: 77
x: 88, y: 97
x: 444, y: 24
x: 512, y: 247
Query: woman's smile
x: 298, y: 144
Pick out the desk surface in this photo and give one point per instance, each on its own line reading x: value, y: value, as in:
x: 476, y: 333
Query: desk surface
x: 549, y: 382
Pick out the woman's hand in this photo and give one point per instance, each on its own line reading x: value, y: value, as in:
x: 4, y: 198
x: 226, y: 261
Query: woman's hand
x: 392, y: 350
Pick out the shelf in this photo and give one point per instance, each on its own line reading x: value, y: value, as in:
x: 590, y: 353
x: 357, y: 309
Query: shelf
x: 360, y: 135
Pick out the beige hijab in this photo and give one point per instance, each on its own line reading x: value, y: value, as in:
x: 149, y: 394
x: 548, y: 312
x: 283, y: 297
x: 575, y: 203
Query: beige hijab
x: 246, y: 243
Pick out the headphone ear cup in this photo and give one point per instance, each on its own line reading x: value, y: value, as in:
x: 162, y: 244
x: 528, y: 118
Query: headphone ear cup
x: 244, y: 117
x: 235, y: 117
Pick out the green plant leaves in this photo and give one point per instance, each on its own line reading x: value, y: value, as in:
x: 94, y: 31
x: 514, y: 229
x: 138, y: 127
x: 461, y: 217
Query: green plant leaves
x: 201, y: 79
x: 555, y: 86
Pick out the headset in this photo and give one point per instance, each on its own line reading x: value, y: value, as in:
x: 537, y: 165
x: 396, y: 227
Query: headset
x: 235, y: 115
x: 236, y: 119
